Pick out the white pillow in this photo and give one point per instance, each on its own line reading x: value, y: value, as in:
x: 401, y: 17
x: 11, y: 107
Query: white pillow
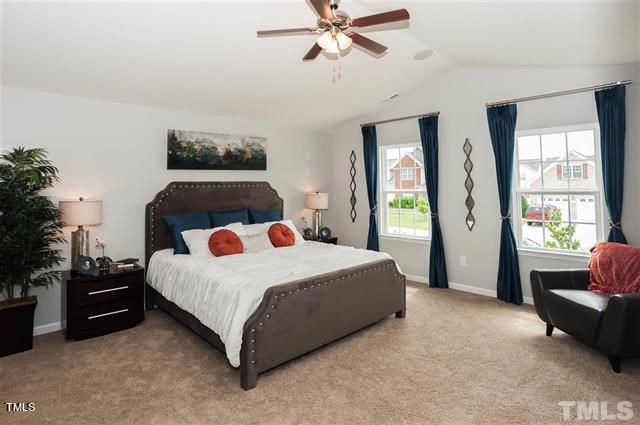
x: 248, y: 229
x: 255, y: 242
x: 290, y: 225
x: 197, y: 240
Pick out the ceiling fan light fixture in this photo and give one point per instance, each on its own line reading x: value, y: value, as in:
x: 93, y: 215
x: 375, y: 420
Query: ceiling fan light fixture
x: 344, y: 41
x: 333, y: 47
x: 336, y: 27
x: 326, y: 41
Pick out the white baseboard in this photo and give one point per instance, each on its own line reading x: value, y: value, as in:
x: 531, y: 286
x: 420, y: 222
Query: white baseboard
x: 466, y: 288
x: 419, y: 279
x: 48, y: 328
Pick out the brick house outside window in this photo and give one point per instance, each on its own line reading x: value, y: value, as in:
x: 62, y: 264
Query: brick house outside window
x: 407, y: 172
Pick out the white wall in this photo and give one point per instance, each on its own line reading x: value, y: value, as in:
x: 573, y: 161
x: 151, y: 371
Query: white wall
x: 460, y: 96
x: 117, y: 153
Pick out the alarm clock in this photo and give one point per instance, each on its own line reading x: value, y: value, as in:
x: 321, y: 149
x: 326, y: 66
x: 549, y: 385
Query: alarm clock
x: 325, y: 233
x: 86, y: 265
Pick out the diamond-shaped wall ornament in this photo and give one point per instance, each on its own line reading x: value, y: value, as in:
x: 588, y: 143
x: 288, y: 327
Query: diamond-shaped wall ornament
x: 352, y: 186
x: 468, y: 184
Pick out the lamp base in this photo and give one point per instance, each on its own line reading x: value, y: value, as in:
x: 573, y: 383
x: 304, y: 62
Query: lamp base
x: 317, y: 220
x: 79, y: 245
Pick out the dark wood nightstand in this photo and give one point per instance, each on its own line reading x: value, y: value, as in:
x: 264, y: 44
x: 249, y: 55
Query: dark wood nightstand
x: 102, y: 303
x: 332, y: 240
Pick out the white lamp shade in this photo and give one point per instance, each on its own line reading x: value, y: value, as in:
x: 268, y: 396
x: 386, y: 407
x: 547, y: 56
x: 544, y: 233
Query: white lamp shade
x: 316, y: 201
x: 81, y: 213
x: 326, y: 40
x: 344, y: 41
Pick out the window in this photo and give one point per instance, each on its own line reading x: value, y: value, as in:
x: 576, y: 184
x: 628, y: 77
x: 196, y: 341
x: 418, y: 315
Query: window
x: 558, y: 194
x: 404, y: 209
x: 572, y: 171
x: 408, y: 173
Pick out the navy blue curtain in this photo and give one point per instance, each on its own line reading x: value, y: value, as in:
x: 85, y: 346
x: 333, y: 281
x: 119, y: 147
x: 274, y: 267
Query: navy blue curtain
x: 502, y: 127
x: 611, y: 115
x: 370, y: 149
x: 437, y: 263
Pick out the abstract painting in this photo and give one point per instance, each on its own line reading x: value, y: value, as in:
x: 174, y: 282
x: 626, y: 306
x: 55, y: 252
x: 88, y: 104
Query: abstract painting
x: 192, y: 150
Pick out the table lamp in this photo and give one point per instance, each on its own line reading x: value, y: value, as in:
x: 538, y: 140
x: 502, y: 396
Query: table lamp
x: 317, y: 201
x: 80, y: 213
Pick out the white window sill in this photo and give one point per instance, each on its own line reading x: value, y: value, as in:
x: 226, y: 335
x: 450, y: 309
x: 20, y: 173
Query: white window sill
x: 578, y: 256
x: 400, y: 238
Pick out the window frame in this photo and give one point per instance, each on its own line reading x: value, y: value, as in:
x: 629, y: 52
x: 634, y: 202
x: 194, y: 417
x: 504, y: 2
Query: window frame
x: 601, y: 211
x: 411, y: 176
x: 381, y: 213
x: 571, y: 169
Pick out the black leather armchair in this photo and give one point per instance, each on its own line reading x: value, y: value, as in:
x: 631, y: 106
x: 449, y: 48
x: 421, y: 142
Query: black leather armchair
x: 608, y: 323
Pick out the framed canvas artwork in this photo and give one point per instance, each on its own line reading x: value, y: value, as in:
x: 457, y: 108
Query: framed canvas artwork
x: 192, y: 150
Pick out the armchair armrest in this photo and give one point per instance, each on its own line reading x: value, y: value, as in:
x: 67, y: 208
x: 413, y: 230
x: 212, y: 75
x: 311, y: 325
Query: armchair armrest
x: 545, y: 279
x: 620, y: 328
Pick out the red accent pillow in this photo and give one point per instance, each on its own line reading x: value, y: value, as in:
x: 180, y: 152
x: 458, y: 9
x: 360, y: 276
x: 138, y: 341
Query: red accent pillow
x: 280, y: 235
x: 614, y: 268
x: 225, y: 242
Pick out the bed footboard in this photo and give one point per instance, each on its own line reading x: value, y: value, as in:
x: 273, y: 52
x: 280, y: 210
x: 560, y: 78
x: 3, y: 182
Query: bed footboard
x: 298, y: 317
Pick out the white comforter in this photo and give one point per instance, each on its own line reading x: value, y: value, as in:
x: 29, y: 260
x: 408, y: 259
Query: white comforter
x: 224, y: 292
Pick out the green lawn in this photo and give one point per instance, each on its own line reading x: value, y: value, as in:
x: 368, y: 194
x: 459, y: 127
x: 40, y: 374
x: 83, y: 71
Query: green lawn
x: 405, y: 219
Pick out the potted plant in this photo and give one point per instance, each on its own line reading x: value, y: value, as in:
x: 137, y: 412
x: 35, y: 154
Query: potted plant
x: 307, y: 232
x: 30, y: 227
x: 104, y: 262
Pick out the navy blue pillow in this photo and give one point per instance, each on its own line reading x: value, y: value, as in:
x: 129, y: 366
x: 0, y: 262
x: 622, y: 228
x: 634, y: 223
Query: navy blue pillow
x: 264, y: 216
x: 176, y: 224
x: 222, y: 218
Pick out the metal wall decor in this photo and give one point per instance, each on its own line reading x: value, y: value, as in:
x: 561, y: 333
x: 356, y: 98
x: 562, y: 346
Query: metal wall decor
x: 352, y: 172
x: 468, y: 184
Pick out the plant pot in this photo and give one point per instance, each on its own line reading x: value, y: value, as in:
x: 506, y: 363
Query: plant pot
x: 17, y: 325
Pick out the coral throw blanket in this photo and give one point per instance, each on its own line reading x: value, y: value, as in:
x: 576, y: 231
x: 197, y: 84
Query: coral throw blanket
x: 614, y: 268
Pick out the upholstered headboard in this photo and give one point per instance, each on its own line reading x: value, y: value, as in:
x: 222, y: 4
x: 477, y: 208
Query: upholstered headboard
x: 185, y: 197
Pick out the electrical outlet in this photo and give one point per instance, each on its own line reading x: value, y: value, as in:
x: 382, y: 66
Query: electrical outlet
x: 463, y: 260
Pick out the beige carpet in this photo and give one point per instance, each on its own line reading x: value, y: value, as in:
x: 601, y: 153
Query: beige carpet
x: 456, y: 359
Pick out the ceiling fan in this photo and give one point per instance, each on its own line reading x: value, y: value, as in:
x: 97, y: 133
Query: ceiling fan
x: 336, y: 29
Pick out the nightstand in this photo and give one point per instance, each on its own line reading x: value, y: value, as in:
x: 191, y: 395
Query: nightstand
x: 332, y: 240
x: 102, y: 303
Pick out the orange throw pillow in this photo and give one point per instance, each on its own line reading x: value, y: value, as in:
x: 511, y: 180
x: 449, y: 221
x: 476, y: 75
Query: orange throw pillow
x: 280, y: 235
x: 225, y: 242
x: 614, y: 268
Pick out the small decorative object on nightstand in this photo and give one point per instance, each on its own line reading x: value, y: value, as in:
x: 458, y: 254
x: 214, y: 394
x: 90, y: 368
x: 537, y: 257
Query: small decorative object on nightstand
x: 307, y: 231
x: 325, y: 233
x: 104, y: 262
x: 86, y: 266
x: 102, y: 302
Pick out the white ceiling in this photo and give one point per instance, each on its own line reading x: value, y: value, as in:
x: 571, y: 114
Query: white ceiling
x: 518, y: 33
x: 206, y: 57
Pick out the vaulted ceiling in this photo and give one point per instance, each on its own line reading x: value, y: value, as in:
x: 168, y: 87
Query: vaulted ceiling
x: 205, y: 56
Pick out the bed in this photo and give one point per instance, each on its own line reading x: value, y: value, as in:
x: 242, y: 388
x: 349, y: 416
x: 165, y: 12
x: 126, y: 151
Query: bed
x: 293, y: 317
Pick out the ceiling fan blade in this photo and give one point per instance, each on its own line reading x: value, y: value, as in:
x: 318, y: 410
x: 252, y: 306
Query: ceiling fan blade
x: 322, y: 8
x: 367, y: 43
x: 312, y: 53
x: 286, y: 32
x: 381, y: 18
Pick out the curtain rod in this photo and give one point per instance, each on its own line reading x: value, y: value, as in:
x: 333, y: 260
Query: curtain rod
x: 429, y: 114
x: 558, y: 93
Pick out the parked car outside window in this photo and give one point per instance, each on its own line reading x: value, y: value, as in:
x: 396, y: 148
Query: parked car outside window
x: 534, y: 214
